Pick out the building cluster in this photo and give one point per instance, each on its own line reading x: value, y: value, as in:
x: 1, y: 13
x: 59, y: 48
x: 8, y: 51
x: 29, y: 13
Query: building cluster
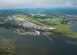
x: 27, y: 27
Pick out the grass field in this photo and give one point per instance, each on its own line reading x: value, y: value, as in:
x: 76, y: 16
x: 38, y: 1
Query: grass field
x: 60, y: 29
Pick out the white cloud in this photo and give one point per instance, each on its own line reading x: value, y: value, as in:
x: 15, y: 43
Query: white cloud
x: 37, y: 3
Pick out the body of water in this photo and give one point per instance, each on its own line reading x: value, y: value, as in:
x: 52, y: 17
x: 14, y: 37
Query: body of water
x: 37, y: 45
x: 74, y: 26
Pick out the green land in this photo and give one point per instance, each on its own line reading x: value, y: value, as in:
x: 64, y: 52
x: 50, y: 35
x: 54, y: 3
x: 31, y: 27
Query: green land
x: 61, y: 30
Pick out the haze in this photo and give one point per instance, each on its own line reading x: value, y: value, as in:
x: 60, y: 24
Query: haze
x: 37, y: 3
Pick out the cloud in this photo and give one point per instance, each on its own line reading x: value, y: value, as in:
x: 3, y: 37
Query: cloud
x: 37, y: 3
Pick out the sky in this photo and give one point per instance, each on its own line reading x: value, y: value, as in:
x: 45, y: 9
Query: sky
x: 37, y: 3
